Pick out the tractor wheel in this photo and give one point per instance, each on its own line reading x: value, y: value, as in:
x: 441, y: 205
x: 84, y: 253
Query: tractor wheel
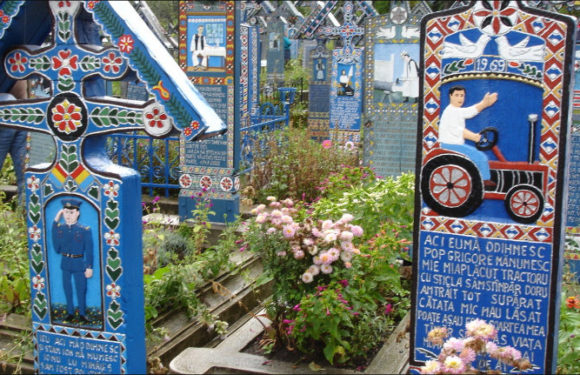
x: 451, y: 185
x: 524, y: 203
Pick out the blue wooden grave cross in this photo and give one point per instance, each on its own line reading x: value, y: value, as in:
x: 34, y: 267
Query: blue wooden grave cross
x: 347, y: 32
x: 77, y: 115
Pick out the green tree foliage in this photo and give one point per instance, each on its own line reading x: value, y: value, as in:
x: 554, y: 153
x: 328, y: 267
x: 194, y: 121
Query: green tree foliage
x: 167, y: 12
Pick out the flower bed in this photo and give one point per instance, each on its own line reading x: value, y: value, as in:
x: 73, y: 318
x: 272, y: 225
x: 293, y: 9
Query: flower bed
x: 337, y: 285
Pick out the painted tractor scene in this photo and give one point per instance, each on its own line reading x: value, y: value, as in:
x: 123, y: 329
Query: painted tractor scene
x: 452, y: 185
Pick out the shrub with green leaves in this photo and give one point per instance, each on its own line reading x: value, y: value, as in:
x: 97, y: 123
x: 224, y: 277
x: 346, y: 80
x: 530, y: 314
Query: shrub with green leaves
x: 569, y: 332
x: 288, y: 164
x: 388, y: 199
x: 14, y: 267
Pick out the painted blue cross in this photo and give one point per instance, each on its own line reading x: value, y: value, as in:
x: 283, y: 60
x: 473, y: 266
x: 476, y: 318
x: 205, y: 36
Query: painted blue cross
x: 347, y: 31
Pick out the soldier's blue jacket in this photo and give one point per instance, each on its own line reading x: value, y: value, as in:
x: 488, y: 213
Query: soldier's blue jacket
x: 73, y: 240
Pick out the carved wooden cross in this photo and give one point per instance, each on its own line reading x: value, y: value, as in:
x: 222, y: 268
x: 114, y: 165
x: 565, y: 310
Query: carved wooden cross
x: 347, y: 31
x: 77, y: 115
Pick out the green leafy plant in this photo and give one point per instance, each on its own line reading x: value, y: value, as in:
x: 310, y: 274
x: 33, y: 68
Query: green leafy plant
x: 14, y: 268
x: 289, y: 164
x: 335, y: 185
x: 176, y: 264
x: 569, y: 332
x: 7, y: 174
x: 388, y: 199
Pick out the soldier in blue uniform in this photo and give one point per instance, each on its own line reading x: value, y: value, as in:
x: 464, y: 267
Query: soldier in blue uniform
x: 74, y: 243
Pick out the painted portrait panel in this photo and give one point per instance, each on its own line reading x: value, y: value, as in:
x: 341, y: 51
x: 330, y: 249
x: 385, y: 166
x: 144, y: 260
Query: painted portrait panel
x: 396, y: 77
x: 206, y: 42
x: 72, y: 248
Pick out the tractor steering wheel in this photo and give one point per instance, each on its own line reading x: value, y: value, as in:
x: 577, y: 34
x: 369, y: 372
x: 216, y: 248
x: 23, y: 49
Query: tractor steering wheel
x: 489, y: 138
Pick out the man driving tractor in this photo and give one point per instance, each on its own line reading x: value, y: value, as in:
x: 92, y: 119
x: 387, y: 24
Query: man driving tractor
x: 453, y: 133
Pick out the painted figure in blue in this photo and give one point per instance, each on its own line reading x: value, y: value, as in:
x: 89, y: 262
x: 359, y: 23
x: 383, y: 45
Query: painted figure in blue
x: 75, y: 245
x: 453, y: 133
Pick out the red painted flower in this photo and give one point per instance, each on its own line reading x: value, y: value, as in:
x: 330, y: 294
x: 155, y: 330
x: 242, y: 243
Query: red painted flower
x: 64, y: 62
x: 91, y: 4
x: 188, y: 132
x: 6, y: 19
x: 156, y: 118
x: 1, y: 13
x: 195, y: 125
x: 18, y: 62
x: 495, y: 17
x: 66, y: 116
x: 112, y: 62
x: 113, y: 290
x: 126, y: 43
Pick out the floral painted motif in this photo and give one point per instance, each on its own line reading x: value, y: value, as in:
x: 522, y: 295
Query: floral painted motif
x: 155, y: 118
x: 185, y: 181
x: 112, y: 62
x: 226, y: 184
x: 38, y: 282
x: 126, y: 43
x: 33, y: 183
x: 495, y: 17
x: 91, y: 4
x: 112, y: 238
x: 205, y: 182
x: 113, y: 290
x: 111, y: 189
x: 65, y: 63
x: 18, y: 63
x: 34, y: 233
x: 66, y: 117
x: 195, y: 125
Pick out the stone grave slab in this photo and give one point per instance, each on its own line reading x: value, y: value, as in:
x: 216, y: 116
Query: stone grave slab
x: 489, y: 231
x: 228, y: 356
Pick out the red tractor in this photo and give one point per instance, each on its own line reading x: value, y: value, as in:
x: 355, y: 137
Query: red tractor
x: 451, y: 184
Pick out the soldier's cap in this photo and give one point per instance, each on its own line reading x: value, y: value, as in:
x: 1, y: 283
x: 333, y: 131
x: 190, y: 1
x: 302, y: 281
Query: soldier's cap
x: 71, y: 203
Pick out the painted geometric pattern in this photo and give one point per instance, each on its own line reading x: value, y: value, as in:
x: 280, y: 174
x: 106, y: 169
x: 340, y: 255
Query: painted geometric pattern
x: 553, y: 33
x: 219, y: 183
x: 486, y: 230
x: 244, y: 74
x: 255, y: 70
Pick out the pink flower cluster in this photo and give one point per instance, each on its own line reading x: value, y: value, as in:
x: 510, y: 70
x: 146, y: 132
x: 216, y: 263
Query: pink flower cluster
x: 457, y: 355
x: 324, y: 243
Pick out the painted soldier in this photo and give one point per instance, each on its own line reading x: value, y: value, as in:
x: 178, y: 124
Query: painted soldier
x: 75, y: 245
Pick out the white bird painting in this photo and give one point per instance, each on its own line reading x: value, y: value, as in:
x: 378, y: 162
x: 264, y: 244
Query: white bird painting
x: 466, y: 48
x: 386, y: 32
x: 410, y: 32
x: 520, y: 51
